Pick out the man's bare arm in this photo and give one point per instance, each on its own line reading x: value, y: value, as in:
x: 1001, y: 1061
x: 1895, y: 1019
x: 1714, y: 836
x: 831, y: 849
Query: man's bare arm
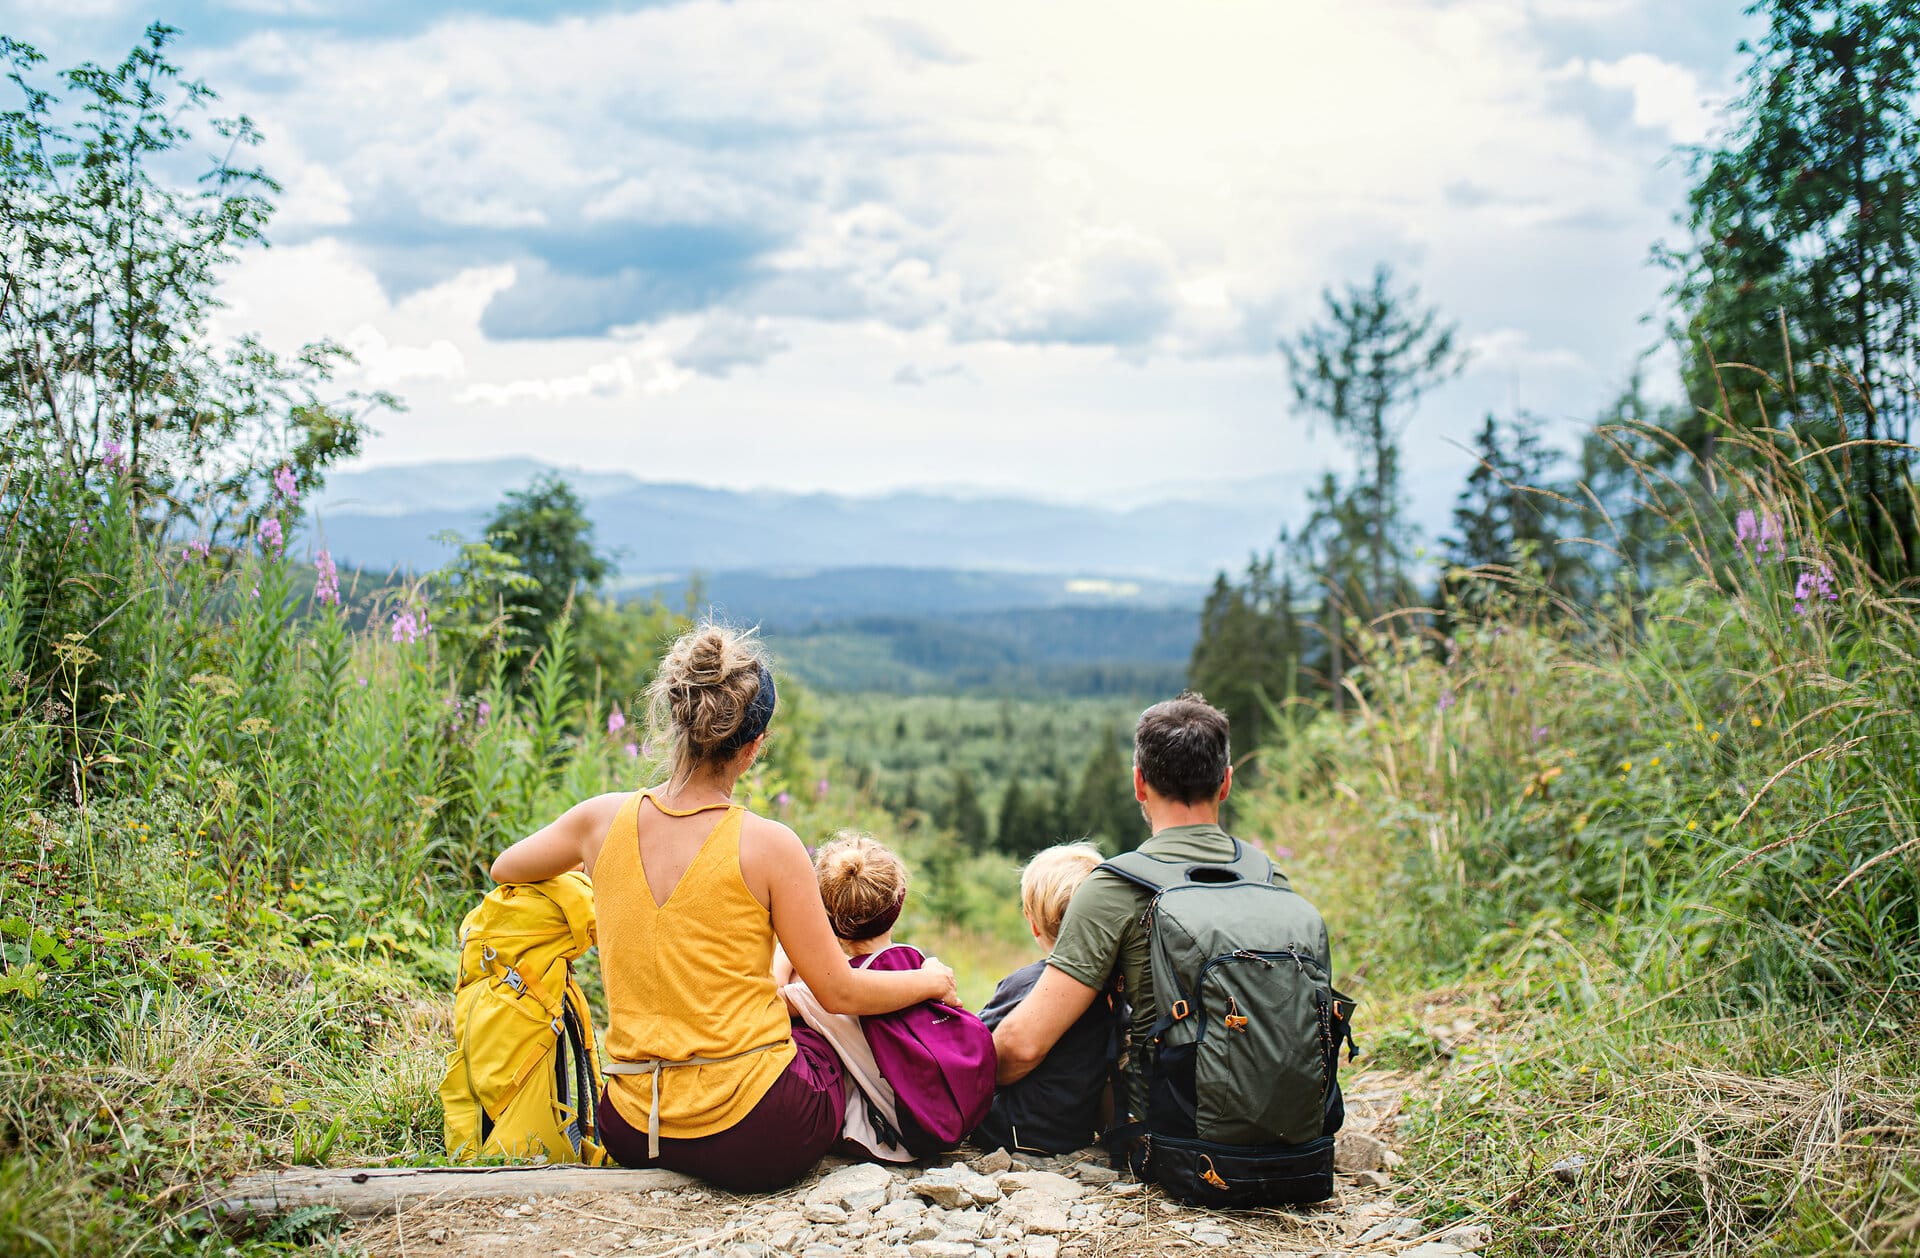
x: 1037, y: 1023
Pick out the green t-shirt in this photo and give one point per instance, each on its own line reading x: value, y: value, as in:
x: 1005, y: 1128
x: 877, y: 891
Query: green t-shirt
x: 1101, y: 936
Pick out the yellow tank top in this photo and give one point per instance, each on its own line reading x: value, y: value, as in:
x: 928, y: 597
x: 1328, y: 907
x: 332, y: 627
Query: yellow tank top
x: 689, y: 978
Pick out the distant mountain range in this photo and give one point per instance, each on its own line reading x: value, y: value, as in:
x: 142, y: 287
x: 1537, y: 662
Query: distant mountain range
x: 660, y: 532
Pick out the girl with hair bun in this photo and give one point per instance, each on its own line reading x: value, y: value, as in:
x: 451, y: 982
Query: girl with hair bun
x: 707, y: 1074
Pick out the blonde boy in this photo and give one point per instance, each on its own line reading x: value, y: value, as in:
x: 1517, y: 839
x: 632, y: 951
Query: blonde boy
x: 1060, y: 1106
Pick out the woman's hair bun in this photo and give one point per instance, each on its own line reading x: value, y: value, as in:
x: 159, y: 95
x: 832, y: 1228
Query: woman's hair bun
x: 702, y: 691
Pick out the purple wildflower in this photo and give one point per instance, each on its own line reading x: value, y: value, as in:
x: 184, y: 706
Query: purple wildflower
x: 410, y: 626
x: 326, y: 589
x: 113, y: 456
x: 86, y: 528
x: 196, y: 549
x: 783, y: 800
x: 1283, y: 853
x: 272, y: 536
x: 820, y: 789
x: 616, y: 721
x: 633, y: 751
x: 481, y: 711
x: 1446, y: 700
x: 1814, y: 583
x: 286, y: 486
x: 1762, y: 531
x: 1539, y: 732
x: 361, y: 680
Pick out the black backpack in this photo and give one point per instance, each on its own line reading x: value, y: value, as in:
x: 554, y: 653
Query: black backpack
x: 1243, y: 1089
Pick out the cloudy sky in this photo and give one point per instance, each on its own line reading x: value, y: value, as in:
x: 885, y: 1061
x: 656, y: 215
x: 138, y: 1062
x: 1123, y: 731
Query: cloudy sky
x: 849, y: 245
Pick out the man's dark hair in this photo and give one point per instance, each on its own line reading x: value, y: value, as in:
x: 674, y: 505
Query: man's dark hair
x: 1181, y: 748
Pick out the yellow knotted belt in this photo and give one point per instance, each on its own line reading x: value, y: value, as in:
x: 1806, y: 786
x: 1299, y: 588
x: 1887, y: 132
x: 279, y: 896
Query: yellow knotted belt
x: 653, y: 1066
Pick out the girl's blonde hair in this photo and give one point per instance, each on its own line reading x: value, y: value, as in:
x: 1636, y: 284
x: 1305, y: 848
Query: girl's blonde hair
x: 861, y: 882
x: 1049, y: 880
x: 701, y: 694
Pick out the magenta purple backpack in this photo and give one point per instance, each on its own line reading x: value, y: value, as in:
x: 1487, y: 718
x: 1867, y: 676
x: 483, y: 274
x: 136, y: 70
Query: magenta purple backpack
x: 937, y: 1058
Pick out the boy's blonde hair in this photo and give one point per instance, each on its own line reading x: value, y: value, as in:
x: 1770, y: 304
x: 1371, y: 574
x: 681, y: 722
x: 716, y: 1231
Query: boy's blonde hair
x: 862, y: 884
x: 1048, y: 882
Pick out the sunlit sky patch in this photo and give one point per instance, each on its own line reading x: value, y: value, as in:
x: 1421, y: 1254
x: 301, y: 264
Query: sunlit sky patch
x: 854, y: 246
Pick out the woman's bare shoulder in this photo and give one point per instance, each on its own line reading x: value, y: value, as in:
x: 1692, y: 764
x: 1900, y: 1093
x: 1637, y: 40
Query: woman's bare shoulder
x: 598, y: 811
x: 766, y: 833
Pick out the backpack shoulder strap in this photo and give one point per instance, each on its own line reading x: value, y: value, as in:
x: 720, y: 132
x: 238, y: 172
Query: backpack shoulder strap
x: 1248, y: 864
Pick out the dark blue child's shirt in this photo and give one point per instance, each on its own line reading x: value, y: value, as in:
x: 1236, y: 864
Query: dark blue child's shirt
x: 1059, y: 1107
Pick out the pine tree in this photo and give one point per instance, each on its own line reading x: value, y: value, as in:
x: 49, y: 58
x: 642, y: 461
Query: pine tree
x: 966, y: 817
x: 1105, y: 810
x: 1363, y: 368
x: 1806, y: 227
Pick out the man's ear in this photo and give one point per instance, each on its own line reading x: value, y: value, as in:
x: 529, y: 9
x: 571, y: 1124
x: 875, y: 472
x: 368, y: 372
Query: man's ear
x: 1226, y: 784
x: 1139, y: 785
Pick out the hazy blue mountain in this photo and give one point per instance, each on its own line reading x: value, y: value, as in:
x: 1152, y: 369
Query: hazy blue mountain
x: 795, y: 601
x: 387, y: 517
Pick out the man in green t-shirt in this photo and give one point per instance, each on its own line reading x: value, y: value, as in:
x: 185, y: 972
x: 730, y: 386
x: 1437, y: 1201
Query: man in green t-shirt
x: 1181, y: 775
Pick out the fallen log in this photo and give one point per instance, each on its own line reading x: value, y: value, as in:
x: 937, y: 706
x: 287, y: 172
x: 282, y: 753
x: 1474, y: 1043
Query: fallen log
x: 366, y: 1191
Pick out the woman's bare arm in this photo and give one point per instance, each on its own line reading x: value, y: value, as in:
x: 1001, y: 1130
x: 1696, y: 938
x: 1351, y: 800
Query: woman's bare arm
x: 571, y: 841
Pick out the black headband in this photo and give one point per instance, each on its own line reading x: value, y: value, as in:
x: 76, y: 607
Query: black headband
x: 759, y: 716
x: 873, y: 927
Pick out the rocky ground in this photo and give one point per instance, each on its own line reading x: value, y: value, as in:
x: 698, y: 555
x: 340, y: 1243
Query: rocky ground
x: 991, y: 1206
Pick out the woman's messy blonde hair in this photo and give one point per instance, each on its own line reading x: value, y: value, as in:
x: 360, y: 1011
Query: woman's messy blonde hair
x: 1048, y: 883
x: 860, y: 881
x: 701, y: 695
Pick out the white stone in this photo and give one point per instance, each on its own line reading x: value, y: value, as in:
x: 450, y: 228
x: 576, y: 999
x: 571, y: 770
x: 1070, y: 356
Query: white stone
x: 1433, y: 1249
x: 925, y: 1230
x: 1372, y: 1179
x: 901, y: 1211
x: 862, y: 1186
x: 956, y: 1187
x: 1391, y: 1229
x: 1037, y: 1211
x: 1127, y: 1190
x: 1041, y: 1247
x: 1050, y: 1182
x: 940, y: 1249
x: 1468, y: 1236
x: 1358, y: 1151
x: 824, y: 1212
x: 1095, y: 1174
x: 998, y: 1160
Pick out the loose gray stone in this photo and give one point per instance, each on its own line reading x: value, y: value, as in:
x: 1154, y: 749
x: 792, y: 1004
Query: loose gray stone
x: 1052, y: 1183
x: 1037, y: 1211
x: 1041, y: 1247
x: 1211, y: 1239
x: 1391, y: 1229
x: 1568, y: 1170
x: 956, y: 1187
x: 940, y: 1249
x: 901, y: 1211
x: 1468, y: 1236
x: 823, y: 1212
x: 924, y: 1230
x: 862, y: 1186
x: 1357, y: 1151
x: 1433, y: 1249
x: 1095, y: 1174
x: 783, y: 1238
x: 1127, y: 1190
x: 1372, y: 1179
x: 822, y: 1251
x: 998, y: 1160
x: 748, y: 1249
x: 1128, y: 1219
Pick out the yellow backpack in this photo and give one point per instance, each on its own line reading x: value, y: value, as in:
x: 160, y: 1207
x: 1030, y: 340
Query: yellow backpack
x: 523, y: 1075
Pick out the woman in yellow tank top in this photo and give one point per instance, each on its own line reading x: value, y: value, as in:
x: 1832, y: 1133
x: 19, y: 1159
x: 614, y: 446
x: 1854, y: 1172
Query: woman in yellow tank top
x: 707, y: 1073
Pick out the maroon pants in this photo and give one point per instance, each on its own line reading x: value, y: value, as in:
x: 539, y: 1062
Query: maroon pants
x: 778, y: 1141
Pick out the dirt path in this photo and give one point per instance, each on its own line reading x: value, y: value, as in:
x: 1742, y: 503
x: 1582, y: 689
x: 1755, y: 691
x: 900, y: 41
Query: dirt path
x: 1070, y: 1207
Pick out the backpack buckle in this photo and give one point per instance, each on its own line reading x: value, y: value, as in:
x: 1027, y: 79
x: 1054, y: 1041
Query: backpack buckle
x: 1235, y: 1022
x: 1180, y: 1010
x: 512, y: 979
x: 558, y: 1030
